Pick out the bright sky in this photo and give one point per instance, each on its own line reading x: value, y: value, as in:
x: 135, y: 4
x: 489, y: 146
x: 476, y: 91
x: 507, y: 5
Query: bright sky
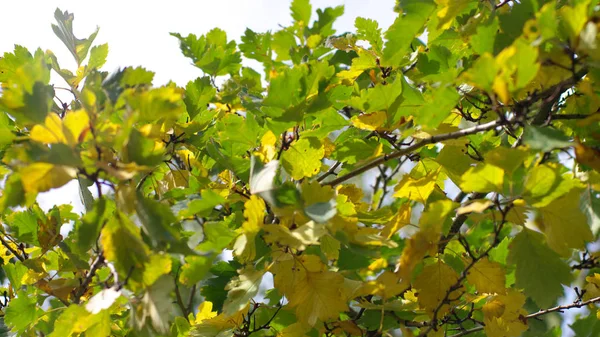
x: 138, y: 35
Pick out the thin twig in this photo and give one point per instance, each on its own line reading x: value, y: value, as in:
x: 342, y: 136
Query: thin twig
x: 98, y: 262
x: 10, y: 249
x: 559, y: 308
x: 416, y: 146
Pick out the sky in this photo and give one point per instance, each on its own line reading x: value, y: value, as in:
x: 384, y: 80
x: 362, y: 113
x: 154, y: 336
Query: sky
x: 137, y: 33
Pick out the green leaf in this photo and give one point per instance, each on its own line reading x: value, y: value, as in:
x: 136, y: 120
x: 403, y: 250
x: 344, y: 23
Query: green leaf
x: 211, y: 52
x: 402, y: 32
x: 257, y: 46
x: 368, y: 29
x: 588, y: 326
x: 87, y: 199
x: 136, y: 76
x: 564, y: 224
x: 483, y: 178
x: 195, y: 269
x: 64, y: 30
x: 214, y: 288
x: 241, y: 289
x: 98, y: 56
x: 142, y: 150
x: 88, y: 230
x: 156, y: 305
x: 483, y: 40
x: 157, y: 220
x: 198, y: 94
x: 545, y: 139
x: 590, y: 205
x: 380, y: 97
x: 24, y: 226
x: 21, y: 312
x: 217, y: 236
x: 545, y: 183
x: 123, y: 246
x: 301, y: 11
x: 533, y: 259
x: 303, y: 158
x: 437, y: 106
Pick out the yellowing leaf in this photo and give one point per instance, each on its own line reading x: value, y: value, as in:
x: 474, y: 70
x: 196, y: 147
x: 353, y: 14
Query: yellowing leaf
x: 330, y: 246
x: 476, y: 206
x: 564, y: 224
x: 433, y: 284
x: 587, y: 156
x: 400, y: 220
x: 416, y: 189
x: 158, y: 265
x: 69, y: 130
x: 299, y: 238
x: 370, y: 121
x: 241, y: 289
x: 41, y: 177
x: 254, y: 212
x: 423, y: 242
x: 592, y: 288
x: 483, y: 178
x: 387, y: 285
x: 503, y: 315
x: 318, y: 296
x: 487, y: 277
x: 303, y: 158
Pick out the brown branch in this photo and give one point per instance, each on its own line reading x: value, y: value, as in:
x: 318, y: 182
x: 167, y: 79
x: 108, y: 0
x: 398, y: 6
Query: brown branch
x: 10, y: 249
x: 416, y: 146
x: 458, y: 221
x: 559, y: 308
x: 98, y: 262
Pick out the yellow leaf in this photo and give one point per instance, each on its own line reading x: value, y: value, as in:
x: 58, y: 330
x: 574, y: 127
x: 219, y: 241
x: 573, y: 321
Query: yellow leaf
x: 387, y: 285
x: 299, y: 238
x: 423, y: 242
x: 157, y: 265
x: 417, y: 189
x: 378, y: 264
x: 587, y: 156
x: 476, y: 206
x: 370, y: 121
x: 354, y: 193
x: 294, y: 330
x: 592, y: 288
x: 487, y: 277
x: 267, y: 150
x: 400, y: 220
x: 205, y: 312
x: 69, y: 130
x: 433, y: 284
x: 503, y: 315
x: 254, y: 212
x: 330, y: 246
x: 564, y: 224
x: 351, y: 328
x: 41, y: 177
x: 318, y: 297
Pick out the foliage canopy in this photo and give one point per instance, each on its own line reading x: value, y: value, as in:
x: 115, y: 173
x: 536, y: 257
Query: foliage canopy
x: 440, y: 178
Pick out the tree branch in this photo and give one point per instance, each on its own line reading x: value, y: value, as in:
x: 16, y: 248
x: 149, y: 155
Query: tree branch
x: 559, y: 308
x: 10, y: 249
x: 98, y: 262
x: 458, y: 222
x: 416, y: 146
